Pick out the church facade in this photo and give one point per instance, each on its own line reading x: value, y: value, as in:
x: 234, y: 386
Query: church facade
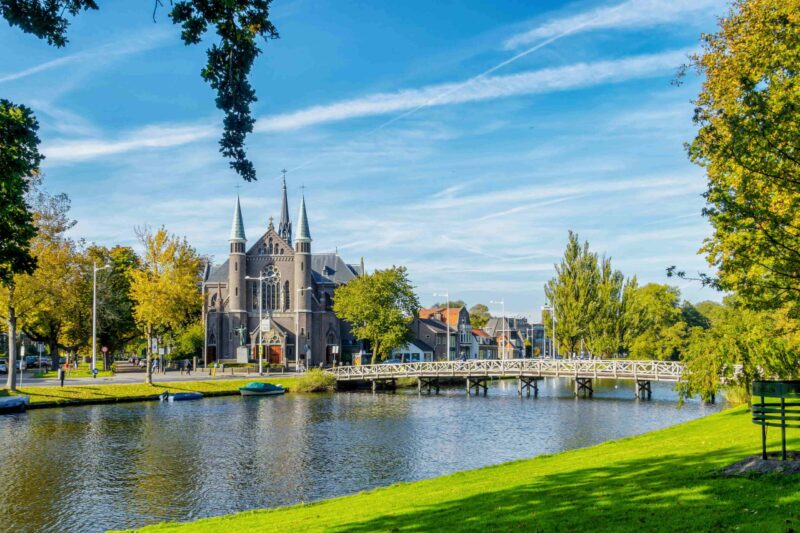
x: 274, y: 296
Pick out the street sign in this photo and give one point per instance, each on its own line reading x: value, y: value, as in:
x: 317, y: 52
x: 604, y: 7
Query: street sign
x: 104, y: 349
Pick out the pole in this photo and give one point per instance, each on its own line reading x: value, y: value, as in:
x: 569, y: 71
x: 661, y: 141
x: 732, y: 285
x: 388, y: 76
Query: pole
x: 205, y: 326
x: 260, y: 322
x: 94, y: 316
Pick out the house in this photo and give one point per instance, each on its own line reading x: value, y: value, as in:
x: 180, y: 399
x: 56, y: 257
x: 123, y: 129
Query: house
x: 485, y: 345
x: 510, y: 342
x: 456, y: 321
x: 413, y: 352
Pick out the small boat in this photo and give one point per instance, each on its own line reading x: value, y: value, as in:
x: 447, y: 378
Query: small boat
x: 13, y: 404
x: 256, y: 388
x: 180, y: 396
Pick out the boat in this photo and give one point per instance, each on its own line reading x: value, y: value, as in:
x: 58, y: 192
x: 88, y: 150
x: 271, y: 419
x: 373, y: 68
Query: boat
x: 257, y: 388
x: 13, y: 404
x: 180, y: 396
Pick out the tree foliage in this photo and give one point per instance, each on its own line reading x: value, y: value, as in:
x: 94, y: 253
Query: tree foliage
x: 479, y: 315
x: 654, y: 325
x: 165, y: 288
x: 380, y: 307
x: 239, y: 26
x: 749, y: 143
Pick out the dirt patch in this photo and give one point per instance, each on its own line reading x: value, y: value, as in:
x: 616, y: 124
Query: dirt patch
x: 772, y: 465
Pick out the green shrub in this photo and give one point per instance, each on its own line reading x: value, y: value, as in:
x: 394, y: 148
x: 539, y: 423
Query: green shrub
x: 315, y: 380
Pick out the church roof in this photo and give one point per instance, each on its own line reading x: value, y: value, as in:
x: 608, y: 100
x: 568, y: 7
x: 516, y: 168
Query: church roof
x: 303, y: 233
x: 325, y: 268
x: 237, y: 227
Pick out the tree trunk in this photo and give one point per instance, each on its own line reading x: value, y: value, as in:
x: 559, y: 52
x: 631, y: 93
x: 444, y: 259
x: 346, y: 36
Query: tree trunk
x: 52, y: 345
x: 11, y: 383
x: 148, y: 376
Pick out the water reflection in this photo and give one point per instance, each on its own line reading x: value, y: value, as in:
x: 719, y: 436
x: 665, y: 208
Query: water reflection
x: 98, y: 467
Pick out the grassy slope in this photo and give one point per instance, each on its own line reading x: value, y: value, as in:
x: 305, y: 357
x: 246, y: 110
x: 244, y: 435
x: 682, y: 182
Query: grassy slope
x: 664, y: 480
x: 84, y: 393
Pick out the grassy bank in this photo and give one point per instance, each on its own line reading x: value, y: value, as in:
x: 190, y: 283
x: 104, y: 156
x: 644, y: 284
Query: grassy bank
x: 54, y: 396
x: 661, y: 481
x: 84, y: 370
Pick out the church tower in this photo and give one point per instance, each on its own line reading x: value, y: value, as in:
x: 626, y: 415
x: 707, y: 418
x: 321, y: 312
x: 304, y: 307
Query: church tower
x: 302, y: 280
x: 237, y: 263
x: 285, y: 225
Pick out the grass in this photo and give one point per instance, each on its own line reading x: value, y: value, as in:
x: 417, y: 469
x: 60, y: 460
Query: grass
x: 666, y: 480
x: 84, y: 370
x: 101, y: 393
x: 315, y: 380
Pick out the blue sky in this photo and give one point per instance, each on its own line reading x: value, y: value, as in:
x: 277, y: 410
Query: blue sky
x: 461, y: 139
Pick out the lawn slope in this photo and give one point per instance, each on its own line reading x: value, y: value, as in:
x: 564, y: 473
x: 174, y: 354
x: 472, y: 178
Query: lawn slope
x: 661, y: 481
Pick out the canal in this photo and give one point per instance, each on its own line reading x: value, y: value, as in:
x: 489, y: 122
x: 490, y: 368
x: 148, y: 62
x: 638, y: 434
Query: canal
x: 123, y: 466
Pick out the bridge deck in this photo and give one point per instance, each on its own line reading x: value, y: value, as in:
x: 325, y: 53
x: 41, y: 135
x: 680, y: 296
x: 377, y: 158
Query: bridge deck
x: 499, y: 368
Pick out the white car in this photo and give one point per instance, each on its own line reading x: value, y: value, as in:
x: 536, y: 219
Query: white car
x: 3, y: 366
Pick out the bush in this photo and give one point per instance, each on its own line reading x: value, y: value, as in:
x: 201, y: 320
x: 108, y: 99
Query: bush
x: 315, y: 380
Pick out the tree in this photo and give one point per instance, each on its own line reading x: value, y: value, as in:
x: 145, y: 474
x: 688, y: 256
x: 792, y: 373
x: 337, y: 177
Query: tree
x: 573, y: 293
x: 479, y: 315
x: 765, y: 344
x: 655, y: 329
x: 188, y: 341
x: 749, y: 144
x: 19, y: 163
x: 238, y: 25
x: 604, y: 327
x: 380, y: 307
x: 165, y: 289
x: 451, y: 303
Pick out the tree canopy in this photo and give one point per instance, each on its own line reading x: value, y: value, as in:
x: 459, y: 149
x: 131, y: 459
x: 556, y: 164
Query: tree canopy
x: 239, y: 26
x: 479, y: 315
x: 749, y: 144
x: 379, y: 307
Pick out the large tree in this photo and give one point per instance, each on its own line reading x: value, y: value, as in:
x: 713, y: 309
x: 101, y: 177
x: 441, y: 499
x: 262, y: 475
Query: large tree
x: 654, y: 323
x: 573, y: 294
x: 239, y: 26
x: 604, y: 329
x: 165, y: 289
x: 479, y: 315
x: 380, y: 307
x: 749, y: 143
x: 19, y: 163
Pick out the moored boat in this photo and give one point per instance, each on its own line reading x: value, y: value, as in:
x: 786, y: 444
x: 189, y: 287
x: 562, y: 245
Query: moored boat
x: 180, y: 396
x: 13, y: 404
x: 256, y: 388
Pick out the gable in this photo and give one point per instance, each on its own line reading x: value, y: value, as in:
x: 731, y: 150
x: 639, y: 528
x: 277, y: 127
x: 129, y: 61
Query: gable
x: 270, y: 243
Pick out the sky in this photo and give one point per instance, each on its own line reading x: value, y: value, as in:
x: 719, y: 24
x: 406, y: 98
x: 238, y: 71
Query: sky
x: 461, y: 139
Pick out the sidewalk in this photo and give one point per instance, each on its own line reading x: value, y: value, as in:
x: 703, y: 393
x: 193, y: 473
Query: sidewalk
x: 172, y: 375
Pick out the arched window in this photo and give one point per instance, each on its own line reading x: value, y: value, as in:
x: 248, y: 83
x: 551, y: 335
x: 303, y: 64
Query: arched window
x: 269, y: 248
x: 272, y: 284
x: 286, y: 300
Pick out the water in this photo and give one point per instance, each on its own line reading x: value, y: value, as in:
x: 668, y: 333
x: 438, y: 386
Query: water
x: 122, y: 466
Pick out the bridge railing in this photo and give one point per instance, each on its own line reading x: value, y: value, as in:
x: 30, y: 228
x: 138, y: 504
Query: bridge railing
x: 596, y: 368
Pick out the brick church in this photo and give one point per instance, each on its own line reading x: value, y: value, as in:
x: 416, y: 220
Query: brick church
x: 294, y: 287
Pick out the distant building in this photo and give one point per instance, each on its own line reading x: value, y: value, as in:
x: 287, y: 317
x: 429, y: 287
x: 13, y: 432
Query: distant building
x: 486, y: 345
x: 510, y: 340
x: 295, y: 291
x: 413, y: 352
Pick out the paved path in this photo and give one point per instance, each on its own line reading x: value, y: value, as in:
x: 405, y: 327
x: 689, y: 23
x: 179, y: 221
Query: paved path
x: 172, y: 375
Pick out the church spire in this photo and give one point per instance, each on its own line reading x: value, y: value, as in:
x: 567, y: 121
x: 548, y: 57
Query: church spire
x: 303, y: 233
x: 237, y: 227
x: 285, y: 225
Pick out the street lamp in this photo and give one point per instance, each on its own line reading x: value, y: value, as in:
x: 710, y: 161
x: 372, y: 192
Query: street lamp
x: 260, y: 280
x: 446, y: 295
x: 502, y: 325
x: 95, y: 269
x: 552, y: 311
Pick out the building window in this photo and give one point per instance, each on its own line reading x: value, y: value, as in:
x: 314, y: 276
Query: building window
x: 236, y: 291
x: 286, y: 301
x: 269, y: 248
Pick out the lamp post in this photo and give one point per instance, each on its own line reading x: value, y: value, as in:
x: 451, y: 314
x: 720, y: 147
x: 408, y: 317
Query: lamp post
x: 446, y: 295
x: 502, y: 325
x: 260, y: 280
x: 95, y: 269
x: 552, y: 311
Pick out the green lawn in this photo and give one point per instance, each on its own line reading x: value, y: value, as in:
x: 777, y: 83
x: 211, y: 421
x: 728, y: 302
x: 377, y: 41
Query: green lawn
x: 89, y: 393
x: 661, y: 481
x: 84, y: 370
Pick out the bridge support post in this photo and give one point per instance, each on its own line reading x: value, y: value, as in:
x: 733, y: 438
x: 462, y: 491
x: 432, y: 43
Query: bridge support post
x: 526, y: 384
x: 583, y: 385
x: 428, y: 383
x: 374, y: 385
x: 478, y: 384
x: 643, y: 388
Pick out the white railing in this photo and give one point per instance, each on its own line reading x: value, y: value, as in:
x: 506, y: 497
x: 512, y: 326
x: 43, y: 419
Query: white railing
x: 578, y: 368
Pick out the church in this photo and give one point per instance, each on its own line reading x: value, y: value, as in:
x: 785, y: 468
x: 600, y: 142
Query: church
x: 274, y: 296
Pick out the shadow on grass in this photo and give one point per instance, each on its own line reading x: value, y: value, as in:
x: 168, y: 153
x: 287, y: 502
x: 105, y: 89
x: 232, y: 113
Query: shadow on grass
x: 669, y: 493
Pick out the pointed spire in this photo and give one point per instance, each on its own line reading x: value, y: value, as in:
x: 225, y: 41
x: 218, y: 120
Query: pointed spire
x: 237, y: 227
x: 285, y: 225
x: 303, y: 233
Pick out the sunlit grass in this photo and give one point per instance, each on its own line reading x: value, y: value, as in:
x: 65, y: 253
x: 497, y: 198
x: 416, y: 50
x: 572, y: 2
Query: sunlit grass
x: 666, y: 480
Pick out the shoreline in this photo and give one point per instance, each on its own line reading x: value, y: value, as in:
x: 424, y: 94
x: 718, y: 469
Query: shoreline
x: 668, y: 479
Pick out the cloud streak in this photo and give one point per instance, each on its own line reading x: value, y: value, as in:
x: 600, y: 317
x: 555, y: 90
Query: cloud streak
x: 569, y: 77
x: 628, y: 14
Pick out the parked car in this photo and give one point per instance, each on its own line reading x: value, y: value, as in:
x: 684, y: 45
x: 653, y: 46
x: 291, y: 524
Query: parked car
x: 3, y: 366
x: 392, y: 361
x: 32, y: 361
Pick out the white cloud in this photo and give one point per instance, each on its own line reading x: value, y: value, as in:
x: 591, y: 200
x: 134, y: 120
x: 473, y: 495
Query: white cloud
x: 628, y: 14
x: 131, y: 44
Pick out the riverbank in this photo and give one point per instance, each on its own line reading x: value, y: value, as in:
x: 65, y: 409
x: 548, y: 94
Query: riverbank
x: 41, y: 397
x: 664, y: 480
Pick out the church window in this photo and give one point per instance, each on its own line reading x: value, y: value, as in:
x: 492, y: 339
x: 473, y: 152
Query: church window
x: 236, y: 291
x: 269, y: 248
x: 254, y: 297
x: 286, y: 301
